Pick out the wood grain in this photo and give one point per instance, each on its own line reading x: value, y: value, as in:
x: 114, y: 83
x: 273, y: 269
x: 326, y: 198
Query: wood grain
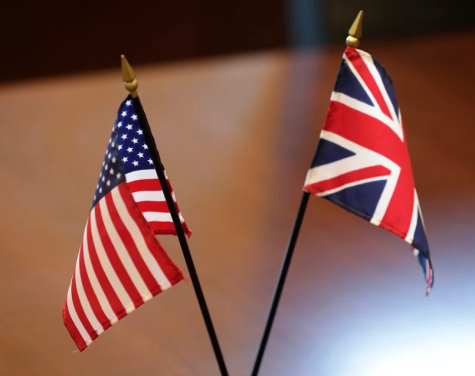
x: 236, y: 136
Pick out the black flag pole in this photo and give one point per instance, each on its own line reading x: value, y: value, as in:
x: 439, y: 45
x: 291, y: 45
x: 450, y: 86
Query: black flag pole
x: 131, y: 84
x: 355, y: 33
x: 281, y: 282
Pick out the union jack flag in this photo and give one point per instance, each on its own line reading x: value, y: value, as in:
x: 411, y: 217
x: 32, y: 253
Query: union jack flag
x: 362, y: 162
x: 121, y: 264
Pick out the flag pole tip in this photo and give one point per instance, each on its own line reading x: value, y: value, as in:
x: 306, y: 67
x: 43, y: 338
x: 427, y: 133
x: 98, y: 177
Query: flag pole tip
x: 356, y: 31
x: 128, y: 76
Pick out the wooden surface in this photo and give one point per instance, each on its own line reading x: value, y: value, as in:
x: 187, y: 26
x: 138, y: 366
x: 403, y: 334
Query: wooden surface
x: 237, y: 135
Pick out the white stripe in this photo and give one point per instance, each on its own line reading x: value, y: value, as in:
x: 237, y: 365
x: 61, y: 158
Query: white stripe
x: 141, y: 175
x: 148, y: 196
x: 96, y: 325
x: 77, y: 322
x: 122, y: 251
x: 160, y: 217
x: 96, y: 286
x: 395, y: 125
x: 107, y: 266
x: 363, y: 158
x: 157, y: 217
x: 365, y: 108
x: 137, y: 236
x: 413, y: 223
x: 369, y: 180
x: 361, y: 81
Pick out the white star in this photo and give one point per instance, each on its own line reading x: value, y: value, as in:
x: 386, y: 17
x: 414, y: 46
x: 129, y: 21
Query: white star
x: 113, y: 144
x: 145, y: 146
x: 106, y: 166
x: 124, y: 113
x: 124, y: 136
x: 120, y: 147
x: 100, y: 175
x: 139, y: 131
x: 109, y: 156
x: 113, y: 160
x: 97, y: 186
x: 108, y: 183
x: 119, y: 124
x: 135, y: 140
x: 129, y: 127
x: 140, y: 155
x: 109, y: 140
x: 135, y: 163
x: 103, y: 163
x: 150, y: 161
x: 128, y: 103
x: 94, y: 197
x: 103, y: 178
x: 118, y: 175
x: 111, y: 171
x: 100, y: 190
x: 125, y: 159
x: 134, y: 117
x: 129, y: 150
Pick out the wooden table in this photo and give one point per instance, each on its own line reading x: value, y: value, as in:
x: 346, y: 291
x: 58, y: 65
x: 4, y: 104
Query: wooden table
x: 237, y: 135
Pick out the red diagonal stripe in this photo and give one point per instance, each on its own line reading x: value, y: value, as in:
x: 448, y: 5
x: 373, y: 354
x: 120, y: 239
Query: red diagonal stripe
x: 349, y: 177
x: 173, y: 274
x: 109, y: 291
x: 134, y: 253
x: 360, y: 66
x: 113, y: 257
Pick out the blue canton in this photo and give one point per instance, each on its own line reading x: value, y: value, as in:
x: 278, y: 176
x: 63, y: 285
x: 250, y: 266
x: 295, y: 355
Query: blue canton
x: 126, y: 152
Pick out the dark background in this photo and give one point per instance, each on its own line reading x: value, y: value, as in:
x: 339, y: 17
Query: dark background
x: 57, y: 37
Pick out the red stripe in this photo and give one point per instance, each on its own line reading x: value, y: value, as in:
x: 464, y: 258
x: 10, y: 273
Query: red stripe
x: 131, y: 247
x: 362, y: 69
x: 113, y: 257
x: 350, y: 177
x: 171, y: 271
x: 155, y: 206
x: 109, y: 291
x: 147, y: 185
x: 89, y: 292
x: 80, y: 311
x: 72, y: 329
x: 163, y: 228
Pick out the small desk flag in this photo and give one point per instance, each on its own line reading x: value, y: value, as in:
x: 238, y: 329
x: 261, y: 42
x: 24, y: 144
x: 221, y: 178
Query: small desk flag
x: 362, y: 162
x: 121, y: 264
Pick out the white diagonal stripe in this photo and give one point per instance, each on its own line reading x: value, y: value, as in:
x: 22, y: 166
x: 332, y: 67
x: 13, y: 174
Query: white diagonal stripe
x: 122, y: 251
x: 96, y: 286
x: 394, y: 124
x: 361, y: 107
x: 96, y: 325
x: 137, y: 236
x: 107, y: 266
x: 363, y: 158
x: 74, y: 316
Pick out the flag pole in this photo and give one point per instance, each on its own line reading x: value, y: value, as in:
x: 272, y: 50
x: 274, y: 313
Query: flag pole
x: 131, y: 84
x: 355, y: 33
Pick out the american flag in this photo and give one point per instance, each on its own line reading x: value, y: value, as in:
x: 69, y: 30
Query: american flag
x: 121, y: 264
x: 362, y: 162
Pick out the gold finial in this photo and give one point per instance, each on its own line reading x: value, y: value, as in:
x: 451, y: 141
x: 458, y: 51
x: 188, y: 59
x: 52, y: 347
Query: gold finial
x: 128, y: 76
x: 356, y: 31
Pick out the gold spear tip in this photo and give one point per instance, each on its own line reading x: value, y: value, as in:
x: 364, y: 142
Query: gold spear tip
x: 356, y: 31
x: 129, y: 78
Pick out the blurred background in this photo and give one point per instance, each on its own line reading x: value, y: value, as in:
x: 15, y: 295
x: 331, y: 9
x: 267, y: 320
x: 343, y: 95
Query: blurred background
x: 236, y: 93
